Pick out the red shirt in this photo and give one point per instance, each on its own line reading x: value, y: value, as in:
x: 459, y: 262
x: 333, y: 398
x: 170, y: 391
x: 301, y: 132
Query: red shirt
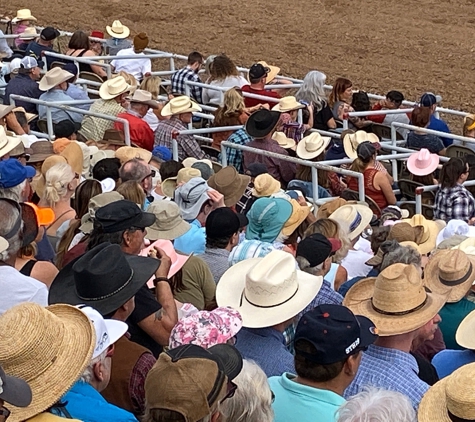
x: 140, y: 132
x: 251, y: 102
x: 378, y: 118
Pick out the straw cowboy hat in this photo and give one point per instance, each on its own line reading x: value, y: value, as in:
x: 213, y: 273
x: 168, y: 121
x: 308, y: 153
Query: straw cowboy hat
x: 464, y: 334
x: 180, y: 105
x: 355, y: 217
x: 267, y: 291
x: 287, y: 104
x: 265, y: 185
x: 49, y: 348
x: 298, y: 216
x: 283, y: 141
x: 7, y: 143
x: 413, y: 245
x: 23, y: 15
x: 184, y: 175
x: 127, y: 153
x: 352, y: 140
x: 229, y: 183
x: 450, y: 272
x: 450, y: 399
x: 467, y: 246
x: 143, y: 97
x: 113, y: 88
x: 117, y: 30
x: 53, y: 78
x: 40, y: 151
x: 395, y: 301
x: 29, y: 33
x: 273, y: 71
x: 404, y: 232
x: 422, y: 162
x: 427, y: 242
x: 312, y: 146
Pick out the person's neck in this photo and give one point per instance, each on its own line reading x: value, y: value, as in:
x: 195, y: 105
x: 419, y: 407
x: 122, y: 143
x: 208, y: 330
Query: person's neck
x: 334, y: 385
x: 120, y: 316
x: 10, y: 261
x: 402, y: 342
x: 229, y: 247
x: 259, y: 86
x: 43, y: 43
x: 126, y: 249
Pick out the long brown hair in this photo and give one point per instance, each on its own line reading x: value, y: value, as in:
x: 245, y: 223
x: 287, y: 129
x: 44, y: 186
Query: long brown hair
x: 222, y: 67
x: 341, y: 85
x: 305, y: 173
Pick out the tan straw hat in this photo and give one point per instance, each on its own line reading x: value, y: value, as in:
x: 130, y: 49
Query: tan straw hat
x: 431, y: 230
x: 355, y: 217
x: 180, y: 105
x: 29, y: 116
x: 298, y: 216
x: 467, y: 246
x: 168, y: 223
x: 29, y: 33
x: 450, y: 399
x: 184, y: 175
x: 48, y: 347
x: 395, y: 301
x: 127, y: 153
x: 189, y: 161
x: 53, y: 78
x: 143, y: 97
x: 117, y: 30
x: 23, y: 15
x: 283, y: 141
x: 450, y: 273
x: 404, y: 232
x: 229, y: 183
x: 287, y: 104
x: 113, y: 88
x: 7, y: 143
x: 413, y: 245
x: 328, y: 208
x: 312, y: 146
x: 265, y: 185
x: 273, y: 71
x: 352, y: 140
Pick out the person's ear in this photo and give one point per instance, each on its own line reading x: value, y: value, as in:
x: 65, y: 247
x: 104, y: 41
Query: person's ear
x: 126, y: 238
x: 99, y: 371
x: 216, y: 417
x: 352, y: 364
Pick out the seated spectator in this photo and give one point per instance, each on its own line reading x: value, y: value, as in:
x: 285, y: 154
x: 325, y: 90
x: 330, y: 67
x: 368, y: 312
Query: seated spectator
x: 14, y: 177
x: 96, y: 45
x: 359, y: 102
x: 289, y: 108
x: 313, y: 93
x: 431, y: 101
x: 113, y: 93
x: 112, y: 140
x: 325, y: 364
x: 54, y: 82
x: 44, y: 43
x: 107, y: 168
x: 79, y: 46
x: 140, y: 133
x: 453, y: 201
x: 118, y: 41
x: 139, y: 171
x: 417, y: 139
x: 152, y: 84
x: 340, y: 97
x: 74, y: 91
x: 65, y: 129
x: 258, y: 74
x: 393, y: 101
x: 15, y: 391
x: 228, y: 182
x: 223, y: 74
x: 22, y: 22
x: 189, y: 73
x: 468, y: 129
x: 422, y: 166
x: 138, y: 67
x: 28, y: 35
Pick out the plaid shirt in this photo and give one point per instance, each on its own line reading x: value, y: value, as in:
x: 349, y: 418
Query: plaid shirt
x: 454, y: 203
x: 391, y: 369
x: 178, y: 83
x: 137, y: 382
x: 187, y: 145
x: 93, y: 128
x: 240, y: 137
x: 217, y: 260
x: 246, y: 201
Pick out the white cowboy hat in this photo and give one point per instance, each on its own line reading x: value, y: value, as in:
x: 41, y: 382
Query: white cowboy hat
x: 143, y: 97
x: 267, y: 291
x: 464, y: 334
x: 53, y: 78
x: 283, y: 141
x: 352, y: 140
x: 29, y: 33
x: 7, y: 143
x: 467, y: 246
x: 287, y: 104
x: 180, y: 105
x: 117, y: 30
x: 355, y: 217
x: 113, y: 88
x: 189, y: 161
x: 23, y: 15
x: 312, y: 146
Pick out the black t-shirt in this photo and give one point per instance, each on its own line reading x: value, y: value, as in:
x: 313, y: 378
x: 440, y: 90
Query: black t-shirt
x: 145, y: 305
x: 321, y: 118
x: 427, y: 371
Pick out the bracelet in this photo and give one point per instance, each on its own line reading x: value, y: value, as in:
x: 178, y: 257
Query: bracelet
x: 157, y: 280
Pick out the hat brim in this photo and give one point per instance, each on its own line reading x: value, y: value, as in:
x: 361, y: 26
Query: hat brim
x: 15, y: 391
x: 105, y: 95
x: 230, y: 358
x: 464, y: 334
x: 78, y: 343
x: 297, y: 106
x: 253, y: 131
x: 167, y: 111
x: 431, y: 243
x: 303, y: 211
x: 44, y: 86
x: 182, y: 228
x: 308, y: 155
x: 150, y: 103
x: 433, y: 406
x: 169, y: 186
x: 366, y: 217
x: 274, y: 188
x: 12, y: 143
x: 273, y: 72
x: 411, y: 165
x: 39, y: 157
x: 63, y: 288
x: 27, y: 18
x: 236, y: 194
x: 113, y: 34
x: 230, y: 292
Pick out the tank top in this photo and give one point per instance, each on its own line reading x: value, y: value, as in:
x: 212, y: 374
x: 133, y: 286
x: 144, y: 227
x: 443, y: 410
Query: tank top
x: 28, y: 267
x: 331, y: 275
x: 83, y: 67
x: 376, y: 195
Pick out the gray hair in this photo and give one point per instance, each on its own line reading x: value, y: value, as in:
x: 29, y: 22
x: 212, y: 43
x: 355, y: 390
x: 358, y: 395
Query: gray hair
x: 401, y: 255
x: 134, y: 169
x: 377, y: 405
x: 15, y: 193
x: 253, y: 398
x: 10, y: 215
x: 88, y: 374
x: 304, y: 266
x: 312, y: 89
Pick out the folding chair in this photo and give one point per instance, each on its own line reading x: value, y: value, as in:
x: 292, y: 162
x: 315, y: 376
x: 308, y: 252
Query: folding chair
x: 408, y: 191
x: 352, y: 195
x: 212, y: 152
x: 458, y: 151
x: 89, y: 76
x: 384, y: 132
x: 427, y: 210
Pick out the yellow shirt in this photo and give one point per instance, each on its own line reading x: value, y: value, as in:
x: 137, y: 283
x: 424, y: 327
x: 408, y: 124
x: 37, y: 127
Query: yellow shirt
x: 49, y: 417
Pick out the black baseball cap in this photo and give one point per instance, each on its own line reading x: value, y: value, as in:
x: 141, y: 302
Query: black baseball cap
x: 255, y: 169
x: 316, y: 248
x: 258, y: 71
x: 65, y: 128
x: 335, y: 332
x: 366, y: 150
x: 224, y: 222
x: 49, y: 33
x: 14, y: 390
x: 122, y: 215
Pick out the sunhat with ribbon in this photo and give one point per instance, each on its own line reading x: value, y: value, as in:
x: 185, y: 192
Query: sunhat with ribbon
x: 355, y: 217
x: 352, y: 140
x: 455, y: 227
x: 298, y: 216
x: 395, y: 301
x: 184, y: 175
x: 40, y: 151
x: 452, y: 399
x: 267, y: 291
x: 7, y: 143
x: 113, y: 88
x: 180, y: 105
x: 312, y: 146
x: 49, y: 348
x: 467, y: 246
x: 422, y: 162
x: 143, y: 97
x: 428, y: 239
x: 464, y: 334
x: 168, y: 223
x: 265, y: 185
x: 96, y: 202
x: 229, y: 183
x: 261, y: 123
x: 23, y: 15
x: 127, y: 153
x: 287, y: 104
x: 117, y: 30
x: 283, y: 141
x: 450, y: 273
x: 53, y: 78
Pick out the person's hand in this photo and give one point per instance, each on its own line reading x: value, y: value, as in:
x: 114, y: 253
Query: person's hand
x: 165, y: 262
x: 471, y: 222
x: 266, y: 106
x: 147, y: 74
x: 12, y: 124
x: 310, y: 108
x: 301, y: 200
x: 217, y: 199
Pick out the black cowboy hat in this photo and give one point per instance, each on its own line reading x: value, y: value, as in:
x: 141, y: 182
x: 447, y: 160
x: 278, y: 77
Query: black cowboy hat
x: 261, y: 123
x: 104, y: 278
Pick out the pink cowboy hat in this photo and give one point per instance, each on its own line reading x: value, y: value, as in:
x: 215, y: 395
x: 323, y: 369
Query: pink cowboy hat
x: 422, y: 163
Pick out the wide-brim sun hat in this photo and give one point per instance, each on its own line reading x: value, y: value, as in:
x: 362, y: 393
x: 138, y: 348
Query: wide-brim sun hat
x: 7, y: 143
x: 352, y: 140
x: 287, y: 104
x: 267, y: 291
x: 41, y: 150
x: 113, y: 88
x: 354, y: 217
x: 29, y: 34
x: 127, y: 153
x: 312, y: 146
x: 117, y: 30
x: 283, y: 141
x: 273, y: 71
x: 261, y: 123
x: 168, y: 223
x: 429, y: 236
x: 180, y: 105
x: 298, y: 216
x: 422, y: 162
x: 464, y: 334
x: 229, y: 183
x: 184, y: 175
x: 23, y: 15
x: 265, y: 185
x: 49, y: 348
x: 53, y: 78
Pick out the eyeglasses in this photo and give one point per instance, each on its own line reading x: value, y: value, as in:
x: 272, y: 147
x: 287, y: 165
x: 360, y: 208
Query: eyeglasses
x: 5, y: 413
x: 110, y: 351
x: 152, y: 174
x: 231, y: 389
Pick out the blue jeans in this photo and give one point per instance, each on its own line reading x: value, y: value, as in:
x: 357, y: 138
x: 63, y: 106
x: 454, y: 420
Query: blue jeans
x: 307, y: 189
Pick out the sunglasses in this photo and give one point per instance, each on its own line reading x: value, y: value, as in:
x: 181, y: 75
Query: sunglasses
x: 5, y: 413
x: 231, y: 389
x: 110, y: 351
x: 152, y: 174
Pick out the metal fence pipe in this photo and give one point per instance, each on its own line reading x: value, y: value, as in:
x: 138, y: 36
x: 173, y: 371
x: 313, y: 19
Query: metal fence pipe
x: 49, y: 123
x: 379, y: 112
x: 314, y: 184
x: 203, y: 115
x: 9, y: 36
x: 80, y: 81
x: 88, y: 61
x: 210, y: 130
x: 434, y: 132
x: 130, y: 57
x: 204, y: 138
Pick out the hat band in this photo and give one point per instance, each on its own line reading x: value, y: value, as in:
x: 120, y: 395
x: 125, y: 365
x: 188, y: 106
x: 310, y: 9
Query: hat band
x: 454, y: 418
x: 243, y: 295
x: 356, y: 222
x: 112, y: 293
x: 459, y: 281
x: 186, y: 201
x: 410, y: 311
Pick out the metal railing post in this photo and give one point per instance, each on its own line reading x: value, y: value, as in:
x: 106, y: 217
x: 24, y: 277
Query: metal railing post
x: 49, y: 123
x: 224, y: 157
x: 314, y: 185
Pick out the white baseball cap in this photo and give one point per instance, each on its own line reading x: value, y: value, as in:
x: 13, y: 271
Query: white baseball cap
x: 108, y: 331
x: 28, y: 62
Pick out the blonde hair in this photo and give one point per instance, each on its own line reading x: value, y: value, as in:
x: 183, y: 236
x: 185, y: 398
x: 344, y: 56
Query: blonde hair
x: 132, y: 191
x: 468, y: 121
x: 57, y: 180
x: 130, y: 79
x: 331, y: 229
x: 152, y: 85
x: 233, y: 101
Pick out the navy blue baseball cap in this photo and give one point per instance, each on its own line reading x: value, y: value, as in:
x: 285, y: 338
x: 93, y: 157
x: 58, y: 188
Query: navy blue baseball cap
x: 12, y: 173
x: 162, y: 153
x: 335, y: 332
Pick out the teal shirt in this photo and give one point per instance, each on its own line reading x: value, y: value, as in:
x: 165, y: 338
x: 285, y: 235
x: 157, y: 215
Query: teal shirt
x: 297, y: 402
x: 452, y: 315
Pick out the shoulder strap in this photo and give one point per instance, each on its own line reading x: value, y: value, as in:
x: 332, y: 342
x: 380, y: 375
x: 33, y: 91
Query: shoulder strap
x: 28, y: 267
x: 81, y: 53
x: 57, y: 218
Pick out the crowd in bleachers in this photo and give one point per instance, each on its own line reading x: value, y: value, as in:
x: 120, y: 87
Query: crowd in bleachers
x: 280, y: 269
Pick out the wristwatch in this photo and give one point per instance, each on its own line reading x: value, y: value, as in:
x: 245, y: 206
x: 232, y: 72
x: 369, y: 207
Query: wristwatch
x: 157, y: 280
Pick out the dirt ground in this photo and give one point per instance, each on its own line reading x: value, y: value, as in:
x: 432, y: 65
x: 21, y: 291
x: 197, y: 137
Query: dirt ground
x: 408, y: 45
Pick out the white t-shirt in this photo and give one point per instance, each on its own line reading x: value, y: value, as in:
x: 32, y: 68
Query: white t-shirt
x: 152, y: 119
x: 211, y: 96
x: 354, y: 263
x: 136, y: 67
x: 17, y: 288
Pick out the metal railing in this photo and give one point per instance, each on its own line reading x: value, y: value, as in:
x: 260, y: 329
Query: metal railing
x: 431, y: 188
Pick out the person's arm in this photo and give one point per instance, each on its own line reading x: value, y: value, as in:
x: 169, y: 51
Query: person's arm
x: 340, y: 277
x: 381, y: 181
x: 13, y: 125
x: 98, y: 70
x: 197, y: 91
x: 309, y: 124
x: 45, y: 272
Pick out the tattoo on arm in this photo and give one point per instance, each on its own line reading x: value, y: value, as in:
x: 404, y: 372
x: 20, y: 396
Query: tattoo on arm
x: 159, y: 315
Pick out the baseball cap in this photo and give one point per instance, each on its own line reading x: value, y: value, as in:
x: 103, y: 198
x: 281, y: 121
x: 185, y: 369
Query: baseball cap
x: 335, y: 332
x: 191, y: 379
x: 14, y: 390
x: 122, y: 215
x: 316, y: 248
x: 162, y: 153
x: 224, y: 222
x: 65, y: 128
x: 12, y: 173
x: 428, y: 99
x: 366, y: 150
x: 108, y: 331
x: 49, y: 33
x: 28, y: 63
x: 97, y: 34
x: 255, y: 169
x: 257, y: 71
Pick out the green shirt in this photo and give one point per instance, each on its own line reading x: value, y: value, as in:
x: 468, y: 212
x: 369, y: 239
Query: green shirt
x: 452, y: 315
